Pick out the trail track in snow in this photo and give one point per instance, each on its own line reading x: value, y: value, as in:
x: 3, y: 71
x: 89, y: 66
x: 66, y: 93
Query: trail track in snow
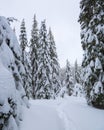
x: 68, y: 122
x: 42, y: 116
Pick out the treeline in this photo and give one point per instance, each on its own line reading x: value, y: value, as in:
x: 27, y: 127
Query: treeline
x: 41, y: 62
x: 43, y: 73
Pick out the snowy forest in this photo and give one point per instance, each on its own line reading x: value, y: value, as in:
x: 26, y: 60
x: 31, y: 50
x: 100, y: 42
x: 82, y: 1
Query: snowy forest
x: 31, y: 76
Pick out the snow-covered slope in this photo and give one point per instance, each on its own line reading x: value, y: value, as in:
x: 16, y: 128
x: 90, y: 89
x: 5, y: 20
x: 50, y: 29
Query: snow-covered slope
x: 70, y: 113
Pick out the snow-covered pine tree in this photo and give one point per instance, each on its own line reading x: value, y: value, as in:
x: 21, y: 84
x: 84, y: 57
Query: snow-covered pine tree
x: 78, y: 89
x: 76, y: 73
x: 34, y: 55
x: 12, y: 93
x: 92, y: 36
x: 69, y: 82
x: 55, y: 67
x: 25, y: 59
x: 44, y: 66
x: 23, y: 38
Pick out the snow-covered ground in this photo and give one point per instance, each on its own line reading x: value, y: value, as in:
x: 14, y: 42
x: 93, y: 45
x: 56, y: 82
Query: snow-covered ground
x: 70, y: 113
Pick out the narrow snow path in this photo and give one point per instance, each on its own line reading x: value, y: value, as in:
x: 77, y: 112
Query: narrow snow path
x: 41, y: 117
x: 68, y: 123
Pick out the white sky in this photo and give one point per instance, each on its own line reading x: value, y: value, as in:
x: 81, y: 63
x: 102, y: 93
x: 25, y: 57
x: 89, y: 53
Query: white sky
x: 60, y: 15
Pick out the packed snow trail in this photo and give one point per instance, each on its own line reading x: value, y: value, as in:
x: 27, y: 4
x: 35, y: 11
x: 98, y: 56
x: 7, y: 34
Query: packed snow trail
x: 41, y: 117
x: 68, y: 123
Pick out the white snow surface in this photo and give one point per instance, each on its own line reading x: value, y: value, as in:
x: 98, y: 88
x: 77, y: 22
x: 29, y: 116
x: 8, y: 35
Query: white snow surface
x: 70, y: 113
x: 98, y: 64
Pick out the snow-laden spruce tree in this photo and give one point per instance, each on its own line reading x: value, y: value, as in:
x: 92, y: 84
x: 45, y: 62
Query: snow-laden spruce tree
x: 77, y: 78
x: 69, y: 81
x: 25, y: 59
x: 55, y: 67
x: 44, y: 89
x: 12, y: 93
x: 34, y: 55
x: 23, y: 38
x: 78, y: 88
x: 92, y: 36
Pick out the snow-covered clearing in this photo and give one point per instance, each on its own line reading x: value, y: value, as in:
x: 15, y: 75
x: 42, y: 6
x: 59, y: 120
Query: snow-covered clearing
x: 70, y: 113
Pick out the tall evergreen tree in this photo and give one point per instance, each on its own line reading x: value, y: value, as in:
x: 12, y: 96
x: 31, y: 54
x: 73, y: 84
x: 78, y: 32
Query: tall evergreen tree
x: 69, y: 79
x: 78, y: 88
x: 56, y: 83
x: 44, y: 66
x: 25, y: 60
x: 92, y: 36
x: 12, y: 93
x: 23, y: 38
x: 34, y: 55
x: 77, y: 73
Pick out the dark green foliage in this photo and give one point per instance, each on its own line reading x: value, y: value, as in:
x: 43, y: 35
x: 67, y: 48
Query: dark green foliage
x: 98, y: 101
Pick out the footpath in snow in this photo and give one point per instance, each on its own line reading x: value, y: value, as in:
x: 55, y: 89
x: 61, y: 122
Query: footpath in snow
x: 62, y: 114
x: 41, y: 116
